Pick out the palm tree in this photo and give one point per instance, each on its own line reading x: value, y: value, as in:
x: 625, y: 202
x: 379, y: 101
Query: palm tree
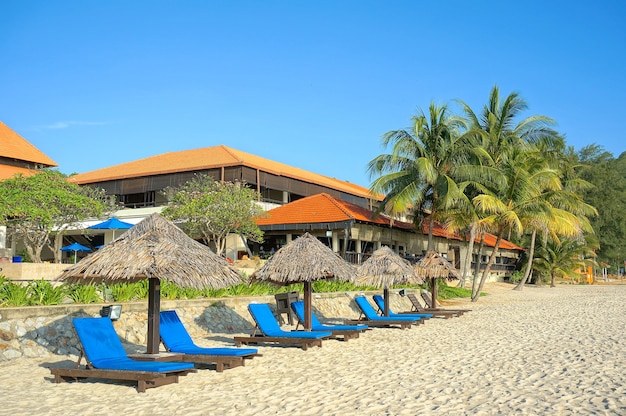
x: 565, y: 214
x: 419, y: 173
x: 562, y: 259
x: 499, y: 142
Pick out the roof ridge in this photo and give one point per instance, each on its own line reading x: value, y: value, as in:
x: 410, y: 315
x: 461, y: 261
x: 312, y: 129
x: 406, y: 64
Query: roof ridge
x: 337, y: 203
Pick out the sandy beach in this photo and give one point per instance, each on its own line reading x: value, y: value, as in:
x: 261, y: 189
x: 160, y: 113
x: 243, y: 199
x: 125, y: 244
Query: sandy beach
x: 557, y: 351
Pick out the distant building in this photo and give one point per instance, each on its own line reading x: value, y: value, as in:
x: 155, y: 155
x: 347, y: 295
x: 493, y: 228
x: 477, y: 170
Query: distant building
x: 17, y: 156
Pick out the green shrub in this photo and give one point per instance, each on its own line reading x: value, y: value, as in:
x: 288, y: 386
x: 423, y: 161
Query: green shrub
x: 42, y: 292
x: 12, y: 294
x: 83, y: 293
x: 517, y: 276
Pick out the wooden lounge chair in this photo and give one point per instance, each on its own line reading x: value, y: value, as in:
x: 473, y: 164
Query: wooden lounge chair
x: 269, y: 331
x: 380, y: 303
x: 429, y: 304
x: 437, y: 313
x: 176, y: 339
x: 346, y: 331
x: 106, y: 359
x: 370, y: 318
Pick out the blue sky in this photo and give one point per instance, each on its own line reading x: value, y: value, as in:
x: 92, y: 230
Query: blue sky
x: 313, y: 84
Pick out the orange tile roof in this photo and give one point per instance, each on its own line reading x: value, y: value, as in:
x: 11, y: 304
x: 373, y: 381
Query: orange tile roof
x: 490, y: 240
x: 14, y: 146
x: 323, y: 208
x: 211, y: 158
x: 7, y: 171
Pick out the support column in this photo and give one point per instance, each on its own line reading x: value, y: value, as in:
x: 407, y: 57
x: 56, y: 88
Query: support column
x: 336, y: 242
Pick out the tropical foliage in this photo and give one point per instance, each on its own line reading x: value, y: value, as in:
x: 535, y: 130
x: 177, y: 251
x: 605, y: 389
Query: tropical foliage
x: 35, y: 206
x: 211, y: 210
x: 489, y: 171
x: 43, y: 292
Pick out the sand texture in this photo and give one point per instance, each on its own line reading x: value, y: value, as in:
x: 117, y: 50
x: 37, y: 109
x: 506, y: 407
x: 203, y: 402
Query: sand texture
x: 557, y: 351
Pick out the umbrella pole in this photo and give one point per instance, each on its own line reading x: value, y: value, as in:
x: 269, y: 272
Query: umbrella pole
x: 386, y: 300
x: 308, y: 289
x: 154, y: 308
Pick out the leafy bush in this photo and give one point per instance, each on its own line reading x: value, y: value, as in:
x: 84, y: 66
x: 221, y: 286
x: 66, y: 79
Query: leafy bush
x: 42, y: 292
x: 12, y: 294
x: 517, y: 276
x: 83, y: 293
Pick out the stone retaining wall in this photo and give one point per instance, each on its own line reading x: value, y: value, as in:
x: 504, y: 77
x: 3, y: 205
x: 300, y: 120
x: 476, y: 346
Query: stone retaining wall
x: 43, y: 331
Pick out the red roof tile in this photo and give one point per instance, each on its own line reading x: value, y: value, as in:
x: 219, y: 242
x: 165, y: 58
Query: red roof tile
x: 490, y: 240
x: 324, y: 208
x: 7, y: 172
x: 14, y: 146
x: 211, y: 158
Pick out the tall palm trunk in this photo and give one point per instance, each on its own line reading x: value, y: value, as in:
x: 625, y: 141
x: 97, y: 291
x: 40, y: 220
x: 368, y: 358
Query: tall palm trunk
x: 492, y: 260
x: 431, y: 226
x: 467, y: 261
x: 529, y: 265
x: 479, y: 256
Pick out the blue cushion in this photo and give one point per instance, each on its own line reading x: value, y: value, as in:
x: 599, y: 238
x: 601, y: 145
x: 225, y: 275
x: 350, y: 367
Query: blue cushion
x: 176, y: 339
x: 371, y: 315
x: 104, y: 349
x: 264, y: 318
x: 381, y: 304
x: 316, y: 325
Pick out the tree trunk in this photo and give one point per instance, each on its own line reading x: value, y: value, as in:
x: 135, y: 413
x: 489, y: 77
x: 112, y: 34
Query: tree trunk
x: 552, y: 280
x: 529, y: 265
x: 492, y: 260
x: 479, y: 256
x: 431, y: 224
x: 467, y: 262
x: 58, y: 243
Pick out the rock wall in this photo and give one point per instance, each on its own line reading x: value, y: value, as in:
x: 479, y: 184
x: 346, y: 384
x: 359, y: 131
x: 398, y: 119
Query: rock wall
x: 44, y: 331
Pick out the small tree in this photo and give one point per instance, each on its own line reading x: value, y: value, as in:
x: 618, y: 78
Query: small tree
x: 36, y: 206
x: 211, y: 210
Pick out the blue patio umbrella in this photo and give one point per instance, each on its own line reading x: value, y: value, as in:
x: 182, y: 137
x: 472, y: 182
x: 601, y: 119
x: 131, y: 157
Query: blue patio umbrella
x: 75, y: 247
x: 112, y: 224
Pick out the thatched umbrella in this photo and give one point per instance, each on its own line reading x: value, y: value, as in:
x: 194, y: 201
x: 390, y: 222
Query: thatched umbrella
x: 433, y: 266
x: 386, y: 268
x: 154, y: 249
x: 305, y: 259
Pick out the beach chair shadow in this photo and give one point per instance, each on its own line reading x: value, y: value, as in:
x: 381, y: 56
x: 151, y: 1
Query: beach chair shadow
x: 106, y: 359
x: 347, y: 332
x: 370, y: 318
x: 429, y: 304
x: 380, y: 304
x: 176, y: 339
x: 267, y: 330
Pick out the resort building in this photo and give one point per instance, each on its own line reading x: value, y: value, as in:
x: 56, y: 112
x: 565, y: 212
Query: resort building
x: 17, y: 156
x: 339, y: 213
x: 297, y: 201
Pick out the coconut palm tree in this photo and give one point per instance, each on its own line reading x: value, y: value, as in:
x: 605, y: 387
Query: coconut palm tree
x: 564, y: 213
x: 499, y: 141
x: 419, y: 173
x: 562, y: 259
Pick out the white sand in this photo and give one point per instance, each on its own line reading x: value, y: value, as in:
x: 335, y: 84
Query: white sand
x: 556, y: 351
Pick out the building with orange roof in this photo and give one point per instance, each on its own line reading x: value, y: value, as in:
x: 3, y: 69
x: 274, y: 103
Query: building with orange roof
x: 17, y: 155
x: 355, y: 232
x: 296, y: 201
x: 137, y: 184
